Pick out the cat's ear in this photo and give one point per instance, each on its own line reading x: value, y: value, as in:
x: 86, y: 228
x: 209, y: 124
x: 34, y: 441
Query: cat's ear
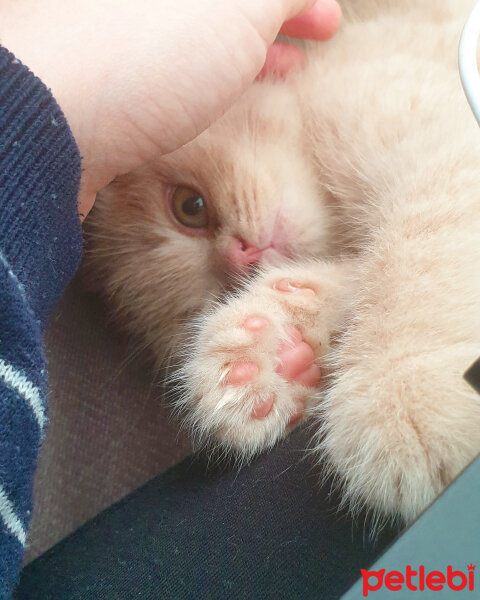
x: 281, y: 59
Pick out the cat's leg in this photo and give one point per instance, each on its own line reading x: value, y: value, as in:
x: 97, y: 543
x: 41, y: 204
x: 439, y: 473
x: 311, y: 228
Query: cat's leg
x: 255, y: 365
x: 399, y: 421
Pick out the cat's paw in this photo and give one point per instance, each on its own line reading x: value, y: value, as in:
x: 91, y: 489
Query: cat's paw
x: 396, y: 427
x: 255, y: 367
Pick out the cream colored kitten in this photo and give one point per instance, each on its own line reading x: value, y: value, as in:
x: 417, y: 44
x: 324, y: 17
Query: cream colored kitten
x: 169, y: 239
x: 378, y: 118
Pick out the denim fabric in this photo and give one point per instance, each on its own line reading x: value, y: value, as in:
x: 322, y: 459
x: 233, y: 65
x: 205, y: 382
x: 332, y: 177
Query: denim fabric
x: 268, y: 531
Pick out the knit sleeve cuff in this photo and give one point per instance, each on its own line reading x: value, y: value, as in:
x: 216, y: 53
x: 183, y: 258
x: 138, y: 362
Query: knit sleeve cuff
x: 40, y: 234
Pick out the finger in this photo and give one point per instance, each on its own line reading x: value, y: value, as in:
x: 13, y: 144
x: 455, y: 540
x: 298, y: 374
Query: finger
x: 319, y: 22
x: 267, y: 16
x: 294, y: 8
x: 281, y: 59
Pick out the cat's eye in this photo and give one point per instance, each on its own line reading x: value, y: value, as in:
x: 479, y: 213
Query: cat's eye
x: 189, y: 208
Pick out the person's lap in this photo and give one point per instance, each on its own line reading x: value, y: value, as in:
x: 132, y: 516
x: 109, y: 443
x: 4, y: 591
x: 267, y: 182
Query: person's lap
x: 266, y: 531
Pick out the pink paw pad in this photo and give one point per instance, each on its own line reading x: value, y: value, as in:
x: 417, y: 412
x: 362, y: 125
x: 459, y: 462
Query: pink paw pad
x: 287, y: 286
x: 254, y: 323
x: 242, y: 372
x: 297, y: 361
x: 262, y: 407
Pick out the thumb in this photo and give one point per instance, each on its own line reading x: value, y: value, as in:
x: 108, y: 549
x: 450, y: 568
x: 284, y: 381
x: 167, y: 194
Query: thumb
x: 293, y: 8
x: 319, y: 22
x: 314, y: 19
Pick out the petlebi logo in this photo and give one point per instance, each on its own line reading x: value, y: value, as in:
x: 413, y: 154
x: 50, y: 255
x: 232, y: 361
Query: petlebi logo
x: 418, y: 580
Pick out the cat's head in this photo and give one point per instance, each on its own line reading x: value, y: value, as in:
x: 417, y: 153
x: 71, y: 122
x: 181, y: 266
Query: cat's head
x: 170, y: 237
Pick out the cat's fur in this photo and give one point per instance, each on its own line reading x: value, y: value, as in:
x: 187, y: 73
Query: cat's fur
x: 369, y: 158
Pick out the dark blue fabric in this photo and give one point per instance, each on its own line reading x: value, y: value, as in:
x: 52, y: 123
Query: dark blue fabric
x: 197, y: 532
x: 40, y: 249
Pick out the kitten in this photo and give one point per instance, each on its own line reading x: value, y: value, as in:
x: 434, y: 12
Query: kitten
x: 371, y: 150
x: 169, y: 239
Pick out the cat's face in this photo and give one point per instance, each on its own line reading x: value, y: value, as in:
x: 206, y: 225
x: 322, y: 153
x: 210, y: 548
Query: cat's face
x: 170, y: 237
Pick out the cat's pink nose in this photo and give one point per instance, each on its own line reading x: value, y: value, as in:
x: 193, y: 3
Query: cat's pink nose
x: 241, y: 254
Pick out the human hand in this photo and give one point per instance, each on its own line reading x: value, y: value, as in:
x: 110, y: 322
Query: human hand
x: 139, y: 79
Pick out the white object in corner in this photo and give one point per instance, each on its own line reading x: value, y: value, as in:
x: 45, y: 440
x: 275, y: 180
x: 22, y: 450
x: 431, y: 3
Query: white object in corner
x: 467, y: 60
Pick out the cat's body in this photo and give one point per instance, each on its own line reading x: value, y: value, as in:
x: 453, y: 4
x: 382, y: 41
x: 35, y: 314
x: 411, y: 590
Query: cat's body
x: 369, y: 159
x: 400, y: 153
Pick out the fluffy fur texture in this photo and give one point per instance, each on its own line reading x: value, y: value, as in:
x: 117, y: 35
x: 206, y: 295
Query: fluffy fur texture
x: 359, y: 177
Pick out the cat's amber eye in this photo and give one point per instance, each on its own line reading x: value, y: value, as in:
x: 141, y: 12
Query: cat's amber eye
x: 189, y: 208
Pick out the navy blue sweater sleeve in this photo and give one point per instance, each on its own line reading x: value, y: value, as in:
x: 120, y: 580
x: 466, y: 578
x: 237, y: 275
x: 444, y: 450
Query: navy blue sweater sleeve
x: 40, y: 248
